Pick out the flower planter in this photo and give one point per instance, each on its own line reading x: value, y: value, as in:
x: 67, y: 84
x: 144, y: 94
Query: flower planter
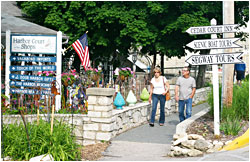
x: 65, y: 83
x: 95, y: 77
x: 122, y: 77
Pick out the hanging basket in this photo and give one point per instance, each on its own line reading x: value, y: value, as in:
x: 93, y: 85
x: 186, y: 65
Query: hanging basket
x: 95, y: 77
x: 122, y: 77
x: 65, y: 83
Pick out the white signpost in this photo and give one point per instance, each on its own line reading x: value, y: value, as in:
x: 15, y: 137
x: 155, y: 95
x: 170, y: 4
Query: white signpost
x: 213, y: 59
x: 212, y: 29
x: 214, y: 43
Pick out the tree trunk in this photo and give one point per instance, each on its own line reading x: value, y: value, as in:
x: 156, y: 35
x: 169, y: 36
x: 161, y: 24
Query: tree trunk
x: 162, y: 64
x: 154, y: 61
x: 200, y: 80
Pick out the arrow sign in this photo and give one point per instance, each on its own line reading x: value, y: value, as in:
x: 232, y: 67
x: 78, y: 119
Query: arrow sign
x: 32, y: 77
x: 33, y: 68
x: 212, y: 29
x: 213, y: 59
x: 31, y: 91
x: 30, y: 84
x: 214, y: 43
x: 32, y: 59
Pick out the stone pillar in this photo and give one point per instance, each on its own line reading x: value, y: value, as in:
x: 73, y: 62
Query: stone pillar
x: 99, y: 125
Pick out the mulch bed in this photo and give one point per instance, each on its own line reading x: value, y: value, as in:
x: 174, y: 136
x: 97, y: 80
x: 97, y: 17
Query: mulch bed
x: 204, y: 126
x: 93, y: 152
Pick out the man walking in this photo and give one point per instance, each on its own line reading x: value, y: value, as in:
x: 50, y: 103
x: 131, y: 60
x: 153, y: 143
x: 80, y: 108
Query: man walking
x: 184, y: 93
x: 240, y: 71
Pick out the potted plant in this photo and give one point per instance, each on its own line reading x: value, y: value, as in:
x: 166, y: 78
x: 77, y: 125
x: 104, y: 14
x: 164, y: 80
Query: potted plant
x: 94, y: 74
x: 125, y: 73
x: 69, y: 78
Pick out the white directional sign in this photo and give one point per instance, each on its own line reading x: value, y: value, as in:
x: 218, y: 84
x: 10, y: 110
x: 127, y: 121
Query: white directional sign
x: 214, y: 43
x: 213, y: 59
x: 212, y: 29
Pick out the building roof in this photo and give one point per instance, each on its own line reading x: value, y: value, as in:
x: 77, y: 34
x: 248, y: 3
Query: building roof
x: 10, y: 20
x: 10, y: 8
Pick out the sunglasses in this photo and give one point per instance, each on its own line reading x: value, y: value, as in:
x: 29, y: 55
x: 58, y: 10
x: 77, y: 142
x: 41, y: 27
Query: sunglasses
x: 157, y: 72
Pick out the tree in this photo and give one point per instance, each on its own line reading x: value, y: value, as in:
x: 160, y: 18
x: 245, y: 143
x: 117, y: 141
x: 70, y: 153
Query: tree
x: 156, y: 26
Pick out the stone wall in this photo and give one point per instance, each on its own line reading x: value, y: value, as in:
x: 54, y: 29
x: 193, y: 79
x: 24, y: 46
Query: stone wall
x: 103, y: 121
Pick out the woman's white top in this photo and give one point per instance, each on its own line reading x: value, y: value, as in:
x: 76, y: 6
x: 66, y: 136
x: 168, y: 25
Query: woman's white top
x: 158, y: 87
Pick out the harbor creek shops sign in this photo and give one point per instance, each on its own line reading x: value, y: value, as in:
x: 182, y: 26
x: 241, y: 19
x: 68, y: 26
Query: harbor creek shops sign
x: 33, y: 44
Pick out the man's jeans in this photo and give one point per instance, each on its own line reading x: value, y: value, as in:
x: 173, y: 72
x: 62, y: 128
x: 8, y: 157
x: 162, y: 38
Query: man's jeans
x: 182, y: 104
x: 155, y: 99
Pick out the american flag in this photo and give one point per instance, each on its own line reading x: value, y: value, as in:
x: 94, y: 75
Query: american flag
x: 81, y: 48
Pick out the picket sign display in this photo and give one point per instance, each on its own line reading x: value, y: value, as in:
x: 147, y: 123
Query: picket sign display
x: 214, y: 58
x: 31, y: 48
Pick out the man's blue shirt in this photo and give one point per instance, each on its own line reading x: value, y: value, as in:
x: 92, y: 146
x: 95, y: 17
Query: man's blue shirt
x: 240, y: 67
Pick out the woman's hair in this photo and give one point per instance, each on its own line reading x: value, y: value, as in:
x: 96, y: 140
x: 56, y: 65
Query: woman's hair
x: 157, y: 69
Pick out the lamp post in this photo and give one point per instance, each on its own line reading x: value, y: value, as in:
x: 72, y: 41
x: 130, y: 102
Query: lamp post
x: 134, y: 59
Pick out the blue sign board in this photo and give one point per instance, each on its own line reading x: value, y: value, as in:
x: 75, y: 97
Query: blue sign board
x: 30, y: 91
x: 33, y: 68
x: 32, y: 77
x: 30, y: 84
x: 32, y: 59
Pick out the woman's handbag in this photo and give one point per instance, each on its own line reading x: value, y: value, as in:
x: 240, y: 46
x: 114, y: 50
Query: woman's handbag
x: 168, y: 93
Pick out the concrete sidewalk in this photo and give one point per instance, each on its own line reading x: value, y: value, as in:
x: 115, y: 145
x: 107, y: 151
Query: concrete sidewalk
x: 146, y: 143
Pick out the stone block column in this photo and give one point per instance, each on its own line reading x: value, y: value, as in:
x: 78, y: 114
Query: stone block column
x: 99, y: 124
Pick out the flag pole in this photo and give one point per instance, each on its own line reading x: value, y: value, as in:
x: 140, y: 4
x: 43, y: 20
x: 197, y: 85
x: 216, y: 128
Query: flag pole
x: 71, y: 45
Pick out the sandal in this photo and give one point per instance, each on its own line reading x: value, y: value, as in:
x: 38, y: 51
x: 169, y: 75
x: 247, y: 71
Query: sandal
x: 161, y: 124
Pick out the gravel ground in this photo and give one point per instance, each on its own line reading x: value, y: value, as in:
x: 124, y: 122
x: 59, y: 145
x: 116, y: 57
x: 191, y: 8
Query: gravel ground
x: 93, y: 152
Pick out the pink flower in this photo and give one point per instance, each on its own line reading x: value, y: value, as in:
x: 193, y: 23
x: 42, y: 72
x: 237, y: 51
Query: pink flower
x: 124, y: 69
x: 39, y: 73
x: 129, y: 68
x: 96, y: 70
x: 73, y: 71
x: 68, y: 78
x: 44, y: 72
x: 47, y: 74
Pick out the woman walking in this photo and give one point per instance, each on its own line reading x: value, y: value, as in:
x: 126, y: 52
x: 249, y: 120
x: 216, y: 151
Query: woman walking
x: 157, y: 93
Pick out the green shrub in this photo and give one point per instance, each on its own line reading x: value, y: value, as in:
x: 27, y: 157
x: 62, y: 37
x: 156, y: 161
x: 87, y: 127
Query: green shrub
x: 231, y: 126
x: 61, y: 145
x: 240, y: 102
x: 210, y: 99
